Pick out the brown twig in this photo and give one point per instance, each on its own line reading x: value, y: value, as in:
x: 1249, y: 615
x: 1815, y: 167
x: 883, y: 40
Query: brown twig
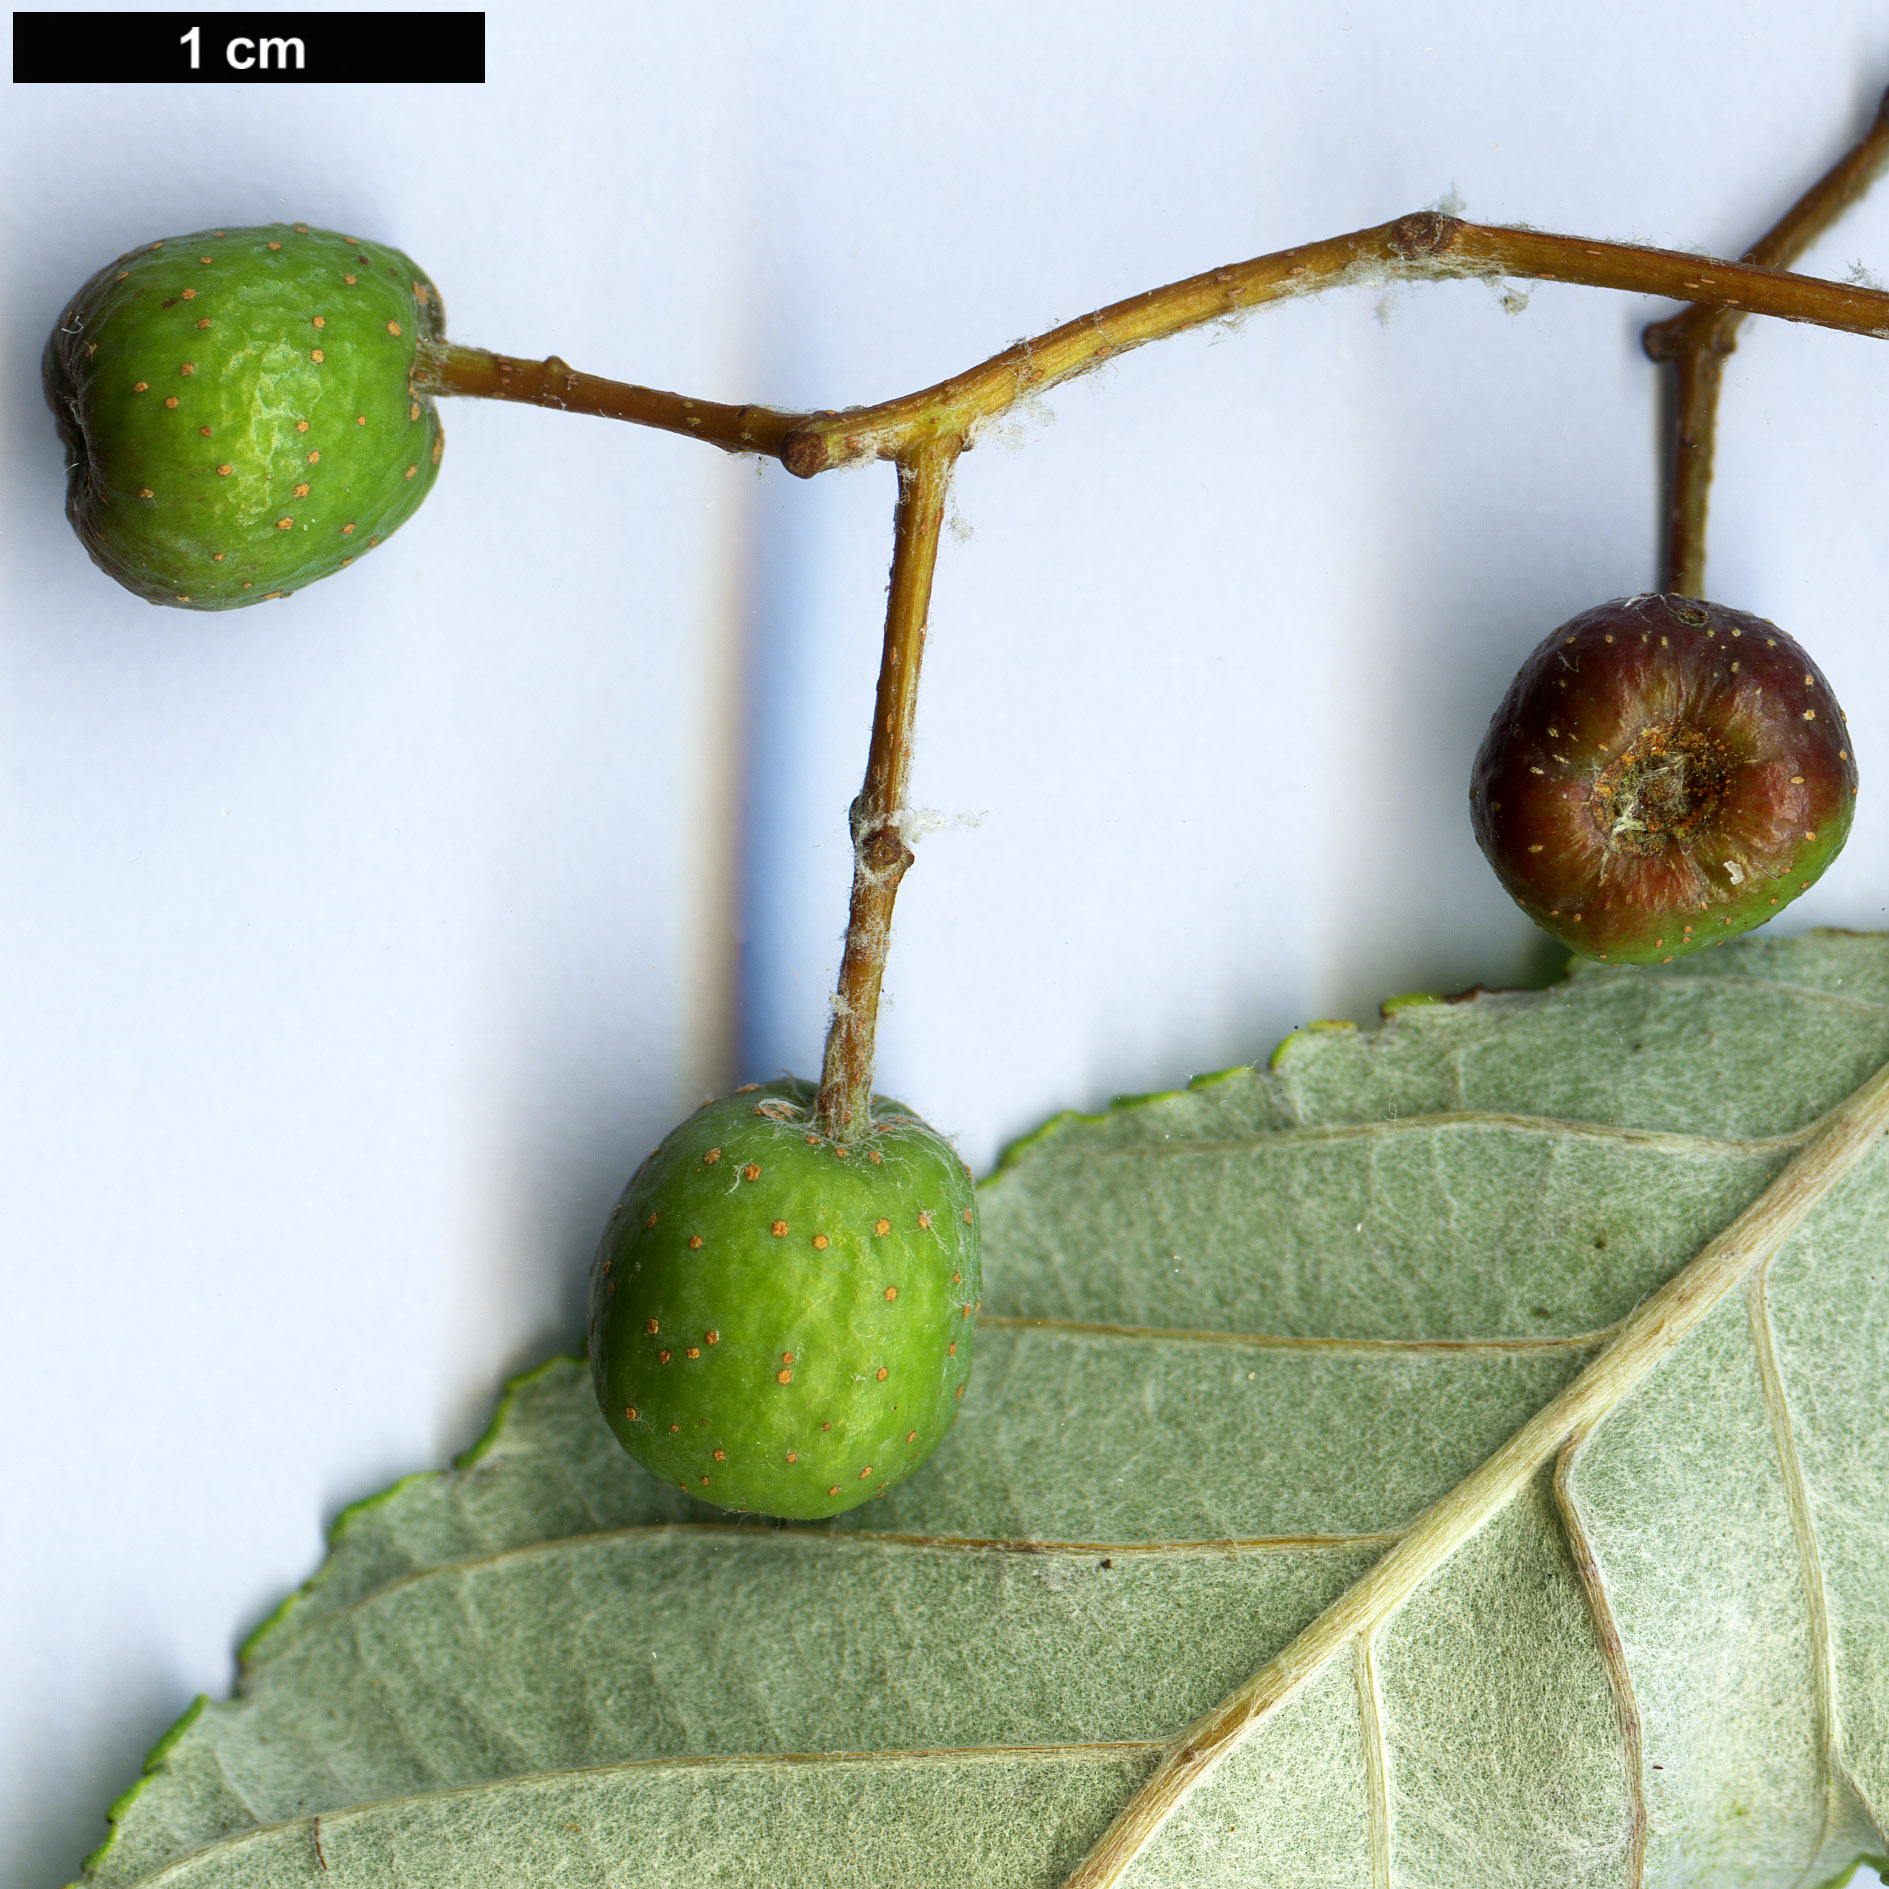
x: 880, y: 855
x: 925, y: 431
x: 1424, y: 247
x: 1697, y: 341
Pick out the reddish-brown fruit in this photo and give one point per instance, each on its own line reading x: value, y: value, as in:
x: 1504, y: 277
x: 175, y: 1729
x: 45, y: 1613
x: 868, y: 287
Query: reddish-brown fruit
x: 1662, y: 775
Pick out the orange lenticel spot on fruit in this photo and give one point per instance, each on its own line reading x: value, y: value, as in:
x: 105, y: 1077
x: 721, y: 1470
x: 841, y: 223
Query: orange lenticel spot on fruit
x: 713, y: 1337
x: 170, y: 400
x: 819, y: 1242
x: 143, y: 386
x: 662, y: 1357
x: 629, y: 1410
x: 778, y: 1229
x: 891, y: 1292
x: 783, y: 1377
x: 711, y: 1157
x: 144, y: 491
x: 347, y: 531
x: 694, y: 1351
x: 651, y: 1221
x: 834, y: 1490
x: 882, y: 1227
x: 393, y: 327
x: 695, y: 1242
x: 316, y: 355
x: 721, y: 1456
x: 285, y: 524
x: 924, y: 1220
x: 752, y: 1172
x: 652, y: 1328
x: 882, y: 1374
x: 793, y: 1456
x: 911, y: 1436
x: 301, y: 491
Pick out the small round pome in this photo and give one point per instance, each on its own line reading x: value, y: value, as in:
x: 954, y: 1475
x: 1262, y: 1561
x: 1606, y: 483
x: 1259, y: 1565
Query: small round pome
x: 817, y: 1377
x: 1662, y: 774
x: 235, y: 335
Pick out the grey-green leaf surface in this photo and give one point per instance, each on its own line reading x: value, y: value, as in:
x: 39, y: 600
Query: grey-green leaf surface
x: 1234, y: 1341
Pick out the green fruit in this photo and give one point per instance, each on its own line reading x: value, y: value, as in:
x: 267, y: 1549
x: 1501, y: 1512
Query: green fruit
x: 783, y: 1323
x: 240, y: 410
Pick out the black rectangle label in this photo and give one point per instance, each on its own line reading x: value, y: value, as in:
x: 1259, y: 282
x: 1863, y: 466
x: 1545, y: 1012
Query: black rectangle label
x: 245, y: 48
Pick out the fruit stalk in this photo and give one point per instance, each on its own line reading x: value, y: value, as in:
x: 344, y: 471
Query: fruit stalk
x: 880, y: 855
x: 1697, y: 341
x: 448, y: 368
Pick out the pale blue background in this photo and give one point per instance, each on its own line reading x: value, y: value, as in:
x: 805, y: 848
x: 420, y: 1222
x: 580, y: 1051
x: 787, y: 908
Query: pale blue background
x: 352, y: 950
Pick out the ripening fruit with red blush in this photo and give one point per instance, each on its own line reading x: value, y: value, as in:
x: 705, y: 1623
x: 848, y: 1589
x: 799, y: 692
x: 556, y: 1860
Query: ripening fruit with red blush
x: 1662, y: 775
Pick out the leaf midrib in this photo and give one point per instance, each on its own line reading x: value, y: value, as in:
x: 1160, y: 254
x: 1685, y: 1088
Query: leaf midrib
x: 1844, y: 1137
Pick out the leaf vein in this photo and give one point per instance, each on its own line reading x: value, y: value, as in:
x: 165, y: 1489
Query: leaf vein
x: 1613, y: 1651
x: 1804, y: 1533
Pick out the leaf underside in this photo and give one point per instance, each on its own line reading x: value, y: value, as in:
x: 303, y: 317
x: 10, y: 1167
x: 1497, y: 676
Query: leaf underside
x: 1234, y: 1340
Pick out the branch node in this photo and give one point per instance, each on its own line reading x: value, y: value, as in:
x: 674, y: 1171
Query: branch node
x: 804, y: 453
x: 1422, y: 235
x: 885, y: 855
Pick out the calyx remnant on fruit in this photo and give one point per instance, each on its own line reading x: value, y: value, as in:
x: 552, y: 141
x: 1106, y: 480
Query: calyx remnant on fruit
x: 780, y: 1322
x: 241, y: 411
x: 1663, y: 774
